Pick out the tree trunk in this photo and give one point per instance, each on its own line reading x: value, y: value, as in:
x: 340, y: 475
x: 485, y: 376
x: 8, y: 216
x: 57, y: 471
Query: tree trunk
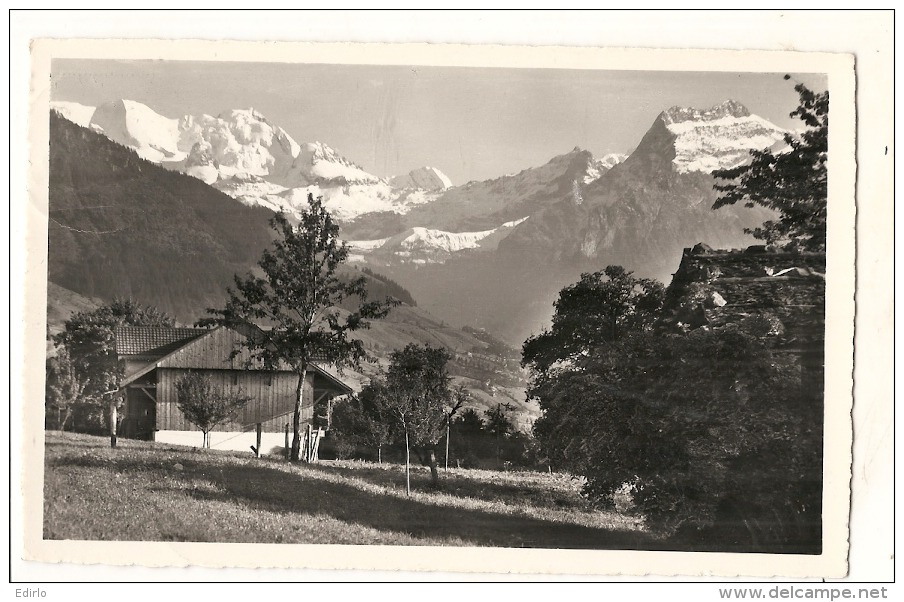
x: 434, y: 473
x: 447, y: 446
x: 65, y: 419
x: 296, y: 416
x: 407, y: 465
x: 379, y: 454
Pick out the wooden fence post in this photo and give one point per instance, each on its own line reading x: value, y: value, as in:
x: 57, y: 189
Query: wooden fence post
x: 286, y: 452
x: 113, y: 419
x: 257, y: 449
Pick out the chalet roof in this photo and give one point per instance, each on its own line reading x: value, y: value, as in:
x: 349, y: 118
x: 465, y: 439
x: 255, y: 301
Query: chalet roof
x: 777, y: 295
x: 219, y: 348
x: 153, y: 340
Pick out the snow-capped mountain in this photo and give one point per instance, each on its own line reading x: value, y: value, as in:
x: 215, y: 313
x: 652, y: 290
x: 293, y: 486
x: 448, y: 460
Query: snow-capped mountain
x: 243, y: 154
x: 240, y: 141
x: 480, y: 206
x: 420, y: 245
x: 317, y: 163
x: 74, y: 112
x: 423, y: 178
x: 660, y: 198
x: 716, y: 138
x: 153, y: 136
x: 611, y: 160
x: 640, y: 213
x: 585, y: 213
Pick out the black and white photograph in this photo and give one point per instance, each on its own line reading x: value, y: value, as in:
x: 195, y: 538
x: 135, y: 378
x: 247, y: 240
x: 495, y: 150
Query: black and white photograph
x: 563, y: 302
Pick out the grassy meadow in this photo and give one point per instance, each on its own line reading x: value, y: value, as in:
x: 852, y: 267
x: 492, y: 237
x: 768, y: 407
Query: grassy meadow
x: 153, y: 492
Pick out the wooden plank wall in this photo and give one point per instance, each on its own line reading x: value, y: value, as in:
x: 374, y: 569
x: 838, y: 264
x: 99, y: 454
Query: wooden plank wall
x: 272, y: 398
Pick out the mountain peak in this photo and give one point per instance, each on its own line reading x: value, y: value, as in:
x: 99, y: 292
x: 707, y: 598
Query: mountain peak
x: 132, y: 123
x: 704, y: 140
x: 248, y: 114
x: 319, y: 163
x: 729, y: 108
x: 74, y: 112
x: 422, y: 178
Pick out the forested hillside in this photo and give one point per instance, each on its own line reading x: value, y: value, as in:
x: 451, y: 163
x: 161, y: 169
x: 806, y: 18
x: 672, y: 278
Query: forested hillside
x: 122, y: 226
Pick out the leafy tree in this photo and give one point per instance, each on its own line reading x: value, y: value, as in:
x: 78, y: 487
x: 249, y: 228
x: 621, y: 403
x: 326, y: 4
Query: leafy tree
x: 792, y: 181
x: 469, y: 421
x: 89, y: 338
x: 299, y: 296
x: 65, y: 387
x: 498, y: 422
x: 206, y: 405
x: 365, y: 419
x: 709, y: 433
x: 601, y: 307
x: 460, y: 395
x: 499, y: 426
x: 418, y: 393
x: 698, y: 426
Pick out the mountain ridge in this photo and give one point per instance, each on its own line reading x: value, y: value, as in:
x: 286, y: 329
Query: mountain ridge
x: 523, y: 233
x: 640, y: 214
x: 120, y: 227
x: 245, y: 155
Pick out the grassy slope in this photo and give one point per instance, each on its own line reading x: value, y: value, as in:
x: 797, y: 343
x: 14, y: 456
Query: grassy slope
x: 136, y: 492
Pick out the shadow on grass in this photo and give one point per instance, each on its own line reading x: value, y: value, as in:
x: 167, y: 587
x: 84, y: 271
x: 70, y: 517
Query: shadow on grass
x: 270, y: 489
x: 311, y: 491
x: 540, y: 492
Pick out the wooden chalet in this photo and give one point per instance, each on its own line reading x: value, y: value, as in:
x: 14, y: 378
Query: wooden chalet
x: 777, y: 295
x: 155, y: 358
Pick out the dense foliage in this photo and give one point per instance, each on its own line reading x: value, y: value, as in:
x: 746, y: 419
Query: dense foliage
x: 420, y: 397
x: 365, y: 419
x: 475, y: 440
x: 792, y: 180
x: 601, y: 307
x: 707, y: 434
x: 206, y: 405
x: 413, y: 402
x: 88, y: 344
x: 492, y: 441
x: 298, y: 299
x: 65, y: 390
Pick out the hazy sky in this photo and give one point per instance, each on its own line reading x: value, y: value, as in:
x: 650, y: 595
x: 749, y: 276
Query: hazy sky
x: 473, y: 124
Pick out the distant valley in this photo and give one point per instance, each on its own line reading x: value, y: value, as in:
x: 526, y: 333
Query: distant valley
x: 166, y: 210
